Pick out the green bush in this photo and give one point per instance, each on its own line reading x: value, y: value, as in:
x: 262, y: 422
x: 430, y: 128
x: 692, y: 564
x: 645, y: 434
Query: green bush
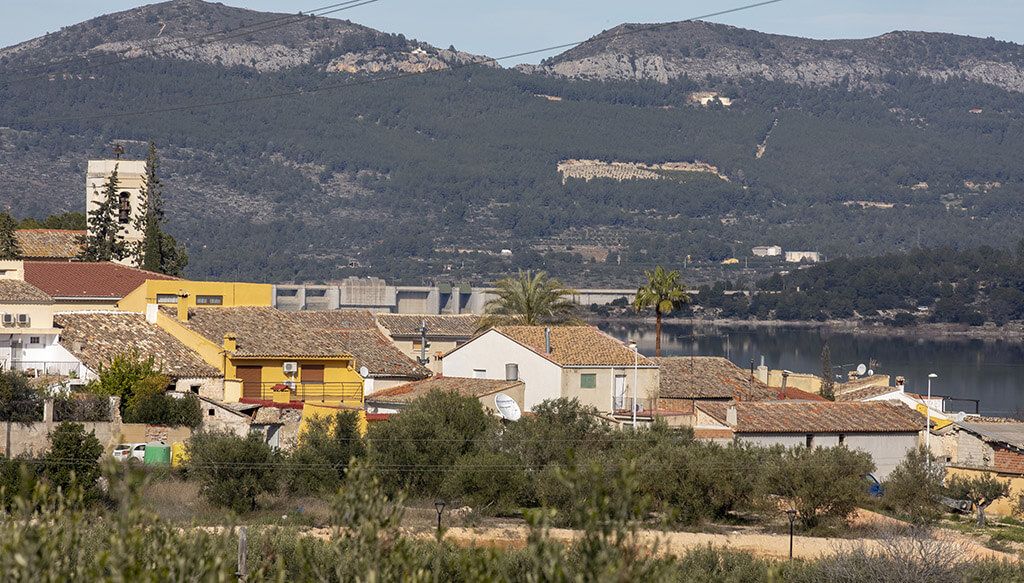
x: 163, y: 409
x: 493, y: 483
x: 73, y: 460
x: 82, y: 407
x: 324, y: 452
x: 416, y: 449
x: 914, y: 488
x: 819, y: 483
x: 233, y: 472
x: 126, y: 375
x: 559, y: 431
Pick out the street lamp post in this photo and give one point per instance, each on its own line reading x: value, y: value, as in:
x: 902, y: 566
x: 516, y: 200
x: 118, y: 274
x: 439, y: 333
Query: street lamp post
x: 439, y: 506
x: 636, y: 366
x: 791, y: 513
x: 928, y: 419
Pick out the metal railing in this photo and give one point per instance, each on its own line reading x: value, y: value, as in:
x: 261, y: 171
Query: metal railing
x: 349, y: 392
x: 623, y: 405
x: 38, y: 368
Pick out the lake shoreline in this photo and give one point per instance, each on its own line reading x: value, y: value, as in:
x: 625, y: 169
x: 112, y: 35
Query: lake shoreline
x: 930, y: 331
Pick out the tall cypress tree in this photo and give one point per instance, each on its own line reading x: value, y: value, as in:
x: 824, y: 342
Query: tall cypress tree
x: 9, y: 247
x: 103, y: 241
x: 828, y: 379
x: 158, y: 251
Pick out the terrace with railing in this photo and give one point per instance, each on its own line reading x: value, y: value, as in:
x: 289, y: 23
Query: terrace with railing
x: 38, y: 368
x: 346, y: 392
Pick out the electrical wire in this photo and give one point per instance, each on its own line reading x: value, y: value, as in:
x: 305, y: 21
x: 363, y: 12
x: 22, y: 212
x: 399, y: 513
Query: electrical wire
x: 375, y: 80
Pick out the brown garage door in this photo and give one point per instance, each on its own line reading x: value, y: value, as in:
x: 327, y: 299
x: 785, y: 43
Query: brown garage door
x: 252, y: 381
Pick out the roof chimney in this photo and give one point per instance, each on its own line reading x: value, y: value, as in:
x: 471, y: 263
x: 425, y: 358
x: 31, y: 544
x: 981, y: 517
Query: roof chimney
x: 730, y: 416
x: 230, y: 342
x: 785, y: 381
x: 182, y: 307
x: 901, y: 383
x: 547, y: 340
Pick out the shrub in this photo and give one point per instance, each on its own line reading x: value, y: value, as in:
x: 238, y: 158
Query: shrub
x: 126, y: 375
x: 982, y: 491
x: 19, y: 403
x: 325, y: 449
x: 73, y: 460
x: 559, y: 431
x: 820, y: 483
x: 163, y: 409
x: 82, y: 407
x: 914, y: 488
x: 417, y: 448
x: 233, y: 471
x: 491, y: 482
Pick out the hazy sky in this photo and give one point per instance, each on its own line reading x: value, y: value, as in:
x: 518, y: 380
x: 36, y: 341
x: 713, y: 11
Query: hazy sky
x: 497, y: 28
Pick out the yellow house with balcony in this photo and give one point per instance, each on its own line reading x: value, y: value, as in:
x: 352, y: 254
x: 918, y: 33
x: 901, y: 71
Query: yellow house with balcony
x: 167, y: 292
x: 266, y: 354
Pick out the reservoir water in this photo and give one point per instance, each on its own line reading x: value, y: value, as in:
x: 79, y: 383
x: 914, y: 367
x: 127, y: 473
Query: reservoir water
x: 990, y: 371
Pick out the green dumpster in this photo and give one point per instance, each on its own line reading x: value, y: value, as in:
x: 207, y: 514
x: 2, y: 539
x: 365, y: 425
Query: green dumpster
x: 157, y: 454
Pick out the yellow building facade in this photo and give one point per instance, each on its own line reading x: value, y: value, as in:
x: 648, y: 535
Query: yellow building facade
x: 168, y: 292
x: 260, y: 367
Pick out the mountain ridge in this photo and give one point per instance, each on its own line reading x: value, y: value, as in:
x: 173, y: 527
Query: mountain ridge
x: 425, y: 177
x: 667, y: 51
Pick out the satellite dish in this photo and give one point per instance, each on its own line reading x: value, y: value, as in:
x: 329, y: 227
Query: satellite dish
x: 364, y: 372
x: 871, y: 373
x: 507, y: 407
x: 861, y: 369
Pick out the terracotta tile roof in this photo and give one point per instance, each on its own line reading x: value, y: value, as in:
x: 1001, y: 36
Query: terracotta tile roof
x: 462, y: 326
x: 17, y: 291
x: 708, y: 377
x: 714, y: 409
x: 79, y: 279
x: 262, y: 331
x: 575, y: 346
x: 468, y: 387
x: 865, y: 393
x: 265, y: 331
x: 382, y: 358
x: 338, y: 319
x: 826, y: 417
x: 49, y: 243
x: 97, y: 337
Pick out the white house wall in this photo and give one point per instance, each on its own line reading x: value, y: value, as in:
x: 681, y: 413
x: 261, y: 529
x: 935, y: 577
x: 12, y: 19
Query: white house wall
x: 887, y: 450
x: 492, y: 351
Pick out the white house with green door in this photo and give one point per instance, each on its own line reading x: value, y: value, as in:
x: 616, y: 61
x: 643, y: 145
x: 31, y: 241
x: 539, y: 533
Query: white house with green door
x: 578, y: 362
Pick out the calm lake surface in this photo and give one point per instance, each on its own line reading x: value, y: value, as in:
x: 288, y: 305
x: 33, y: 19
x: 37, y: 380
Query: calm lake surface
x: 991, y: 371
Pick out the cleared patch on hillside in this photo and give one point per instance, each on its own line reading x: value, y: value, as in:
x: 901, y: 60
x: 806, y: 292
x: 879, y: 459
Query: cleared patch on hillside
x: 593, y: 169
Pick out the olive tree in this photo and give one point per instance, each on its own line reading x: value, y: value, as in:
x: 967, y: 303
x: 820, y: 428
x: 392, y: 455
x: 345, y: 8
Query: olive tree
x: 982, y: 491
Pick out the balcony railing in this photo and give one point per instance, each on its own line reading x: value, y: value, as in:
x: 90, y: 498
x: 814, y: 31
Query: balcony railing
x: 623, y: 405
x: 38, y: 368
x: 351, y: 392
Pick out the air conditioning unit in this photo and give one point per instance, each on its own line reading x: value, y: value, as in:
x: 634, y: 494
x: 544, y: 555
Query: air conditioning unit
x: 291, y: 367
x: 23, y: 319
x: 8, y: 319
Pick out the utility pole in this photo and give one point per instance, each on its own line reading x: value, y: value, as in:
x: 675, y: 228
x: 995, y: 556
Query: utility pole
x: 636, y: 366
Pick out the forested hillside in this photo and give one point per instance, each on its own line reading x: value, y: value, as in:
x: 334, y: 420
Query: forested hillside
x: 430, y: 175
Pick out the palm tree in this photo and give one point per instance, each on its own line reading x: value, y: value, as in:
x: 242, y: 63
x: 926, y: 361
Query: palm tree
x: 530, y: 299
x: 665, y: 294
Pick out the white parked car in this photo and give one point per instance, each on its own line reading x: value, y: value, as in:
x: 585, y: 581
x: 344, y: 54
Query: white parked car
x: 127, y: 451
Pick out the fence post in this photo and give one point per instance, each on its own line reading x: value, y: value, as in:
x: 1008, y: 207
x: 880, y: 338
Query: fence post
x: 243, y: 551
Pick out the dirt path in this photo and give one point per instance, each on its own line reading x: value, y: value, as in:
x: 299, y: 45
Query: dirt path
x: 764, y: 545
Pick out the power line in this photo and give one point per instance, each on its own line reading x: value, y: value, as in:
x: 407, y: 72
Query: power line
x: 370, y: 81
x: 208, y: 38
